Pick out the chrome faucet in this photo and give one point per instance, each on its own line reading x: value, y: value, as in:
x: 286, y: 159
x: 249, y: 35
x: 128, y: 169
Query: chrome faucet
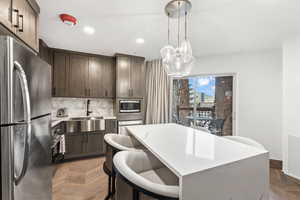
x: 87, y: 108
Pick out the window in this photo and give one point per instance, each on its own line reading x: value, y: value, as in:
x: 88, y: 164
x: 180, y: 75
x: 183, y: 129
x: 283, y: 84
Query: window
x: 204, y: 102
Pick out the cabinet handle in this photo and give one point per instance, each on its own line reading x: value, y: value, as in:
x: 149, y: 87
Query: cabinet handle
x: 106, y: 93
x: 129, y: 93
x: 54, y: 91
x: 22, y: 20
x: 89, y: 92
x: 17, y: 18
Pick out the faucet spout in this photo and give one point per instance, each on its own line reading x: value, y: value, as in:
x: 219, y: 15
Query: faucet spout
x: 88, y: 112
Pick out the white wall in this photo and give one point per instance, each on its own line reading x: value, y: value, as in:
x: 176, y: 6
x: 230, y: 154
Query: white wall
x: 259, y: 93
x: 291, y: 107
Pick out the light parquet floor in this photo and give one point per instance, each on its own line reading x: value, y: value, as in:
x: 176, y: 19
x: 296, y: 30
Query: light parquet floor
x: 85, y: 180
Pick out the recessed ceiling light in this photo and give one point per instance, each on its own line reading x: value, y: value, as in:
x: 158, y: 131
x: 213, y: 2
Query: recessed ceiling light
x: 89, y: 30
x: 140, y: 41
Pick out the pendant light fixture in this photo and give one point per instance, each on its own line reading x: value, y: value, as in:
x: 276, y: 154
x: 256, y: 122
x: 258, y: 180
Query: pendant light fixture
x: 178, y: 61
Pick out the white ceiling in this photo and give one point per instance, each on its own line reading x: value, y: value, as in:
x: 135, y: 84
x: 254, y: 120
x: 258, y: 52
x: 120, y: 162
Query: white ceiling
x: 217, y: 26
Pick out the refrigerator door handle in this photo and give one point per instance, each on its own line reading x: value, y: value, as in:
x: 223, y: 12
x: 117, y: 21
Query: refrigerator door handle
x: 27, y: 120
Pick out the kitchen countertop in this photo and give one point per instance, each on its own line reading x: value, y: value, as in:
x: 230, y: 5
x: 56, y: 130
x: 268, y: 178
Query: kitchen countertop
x: 57, y: 120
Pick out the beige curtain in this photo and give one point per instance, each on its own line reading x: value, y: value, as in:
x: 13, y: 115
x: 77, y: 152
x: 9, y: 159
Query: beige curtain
x: 157, y: 93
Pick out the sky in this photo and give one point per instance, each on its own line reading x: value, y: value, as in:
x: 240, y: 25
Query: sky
x: 205, y: 84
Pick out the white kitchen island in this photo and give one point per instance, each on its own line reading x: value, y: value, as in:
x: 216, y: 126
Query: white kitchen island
x: 209, y: 167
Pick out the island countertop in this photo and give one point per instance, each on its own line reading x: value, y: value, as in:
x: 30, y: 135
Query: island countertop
x: 186, y: 150
x: 200, y: 158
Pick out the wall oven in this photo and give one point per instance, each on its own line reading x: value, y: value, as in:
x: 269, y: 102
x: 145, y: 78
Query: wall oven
x: 130, y: 106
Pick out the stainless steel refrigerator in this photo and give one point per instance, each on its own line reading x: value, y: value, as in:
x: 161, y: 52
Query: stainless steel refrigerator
x: 25, y: 96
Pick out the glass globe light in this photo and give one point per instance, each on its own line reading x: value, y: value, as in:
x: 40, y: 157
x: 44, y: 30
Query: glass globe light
x: 188, y: 67
x: 166, y: 68
x: 186, y: 51
x: 177, y: 67
x: 167, y: 53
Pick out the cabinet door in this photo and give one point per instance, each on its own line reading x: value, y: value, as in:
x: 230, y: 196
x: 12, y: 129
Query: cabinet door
x: 45, y: 52
x: 95, y: 75
x: 75, y: 145
x: 5, y: 13
x: 101, y: 77
x: 109, y: 78
x: 30, y: 29
x: 111, y: 126
x: 78, y: 76
x: 137, y: 71
x: 95, y: 143
x: 60, y: 67
x: 26, y: 20
x: 123, y: 76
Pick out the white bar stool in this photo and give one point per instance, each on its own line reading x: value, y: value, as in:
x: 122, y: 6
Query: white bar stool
x: 123, y: 130
x: 146, y: 175
x: 246, y: 141
x: 115, y: 143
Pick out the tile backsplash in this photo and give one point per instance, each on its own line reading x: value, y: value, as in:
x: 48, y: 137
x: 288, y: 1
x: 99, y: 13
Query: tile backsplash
x: 77, y: 106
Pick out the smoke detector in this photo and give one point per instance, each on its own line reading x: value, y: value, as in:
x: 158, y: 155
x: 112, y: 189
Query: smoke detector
x: 68, y: 19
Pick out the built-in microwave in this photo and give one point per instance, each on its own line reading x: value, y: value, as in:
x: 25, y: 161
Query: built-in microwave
x: 130, y: 106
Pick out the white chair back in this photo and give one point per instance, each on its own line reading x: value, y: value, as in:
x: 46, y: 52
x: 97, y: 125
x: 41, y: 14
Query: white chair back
x: 131, y: 165
x: 121, y: 142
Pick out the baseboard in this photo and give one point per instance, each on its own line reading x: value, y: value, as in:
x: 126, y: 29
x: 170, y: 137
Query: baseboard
x: 292, y: 178
x: 276, y: 164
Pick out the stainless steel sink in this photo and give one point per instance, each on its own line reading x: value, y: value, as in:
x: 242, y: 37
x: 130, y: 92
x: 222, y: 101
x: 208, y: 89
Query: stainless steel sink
x: 85, y: 124
x: 85, y: 118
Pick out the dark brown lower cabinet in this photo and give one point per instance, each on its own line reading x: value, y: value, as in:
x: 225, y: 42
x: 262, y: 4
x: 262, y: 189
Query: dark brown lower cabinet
x: 80, y: 145
x: 84, y: 144
x: 111, y: 126
x: 95, y: 143
x: 75, y: 145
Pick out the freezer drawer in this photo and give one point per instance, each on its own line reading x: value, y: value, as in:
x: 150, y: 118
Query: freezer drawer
x: 36, y: 183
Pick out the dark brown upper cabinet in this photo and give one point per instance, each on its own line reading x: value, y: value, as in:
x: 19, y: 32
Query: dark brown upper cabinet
x: 123, y: 76
x: 5, y: 13
x: 109, y: 78
x: 45, y: 52
x: 21, y: 18
x: 95, y: 71
x: 130, y: 76
x: 61, y: 62
x: 83, y: 75
x: 137, y: 71
x: 78, y: 76
x: 101, y: 77
x: 30, y: 29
